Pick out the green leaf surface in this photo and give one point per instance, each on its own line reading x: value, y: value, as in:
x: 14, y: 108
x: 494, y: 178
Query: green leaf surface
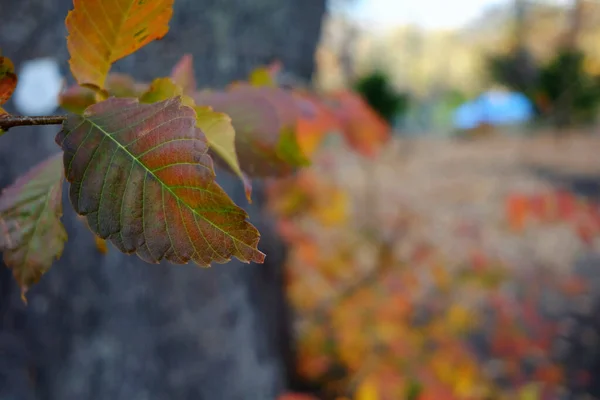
x: 31, y: 233
x: 141, y: 175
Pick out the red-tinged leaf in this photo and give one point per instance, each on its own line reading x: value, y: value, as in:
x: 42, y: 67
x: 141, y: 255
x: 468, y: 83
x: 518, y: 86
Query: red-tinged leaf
x: 265, y: 124
x: 8, y: 79
x: 104, y: 31
x: 77, y: 98
x: 183, y: 74
x: 31, y: 233
x: 142, y: 176
x: 364, y: 130
x: 315, y: 121
x: 216, y: 126
x: 517, y: 211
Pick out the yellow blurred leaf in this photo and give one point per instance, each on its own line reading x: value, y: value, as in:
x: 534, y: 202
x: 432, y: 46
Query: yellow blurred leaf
x: 367, y: 390
x: 101, y: 245
x: 335, y: 209
x: 262, y: 76
x: 530, y: 392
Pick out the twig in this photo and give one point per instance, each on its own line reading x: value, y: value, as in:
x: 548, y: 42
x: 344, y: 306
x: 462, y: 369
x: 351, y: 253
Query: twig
x: 9, y: 121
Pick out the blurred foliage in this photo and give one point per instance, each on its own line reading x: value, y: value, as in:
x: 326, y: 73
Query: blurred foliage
x: 569, y: 89
x: 376, y: 88
x: 382, y: 313
x: 562, y: 90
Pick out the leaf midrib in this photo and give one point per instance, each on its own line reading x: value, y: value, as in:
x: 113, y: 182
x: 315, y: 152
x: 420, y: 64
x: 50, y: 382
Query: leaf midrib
x: 165, y: 186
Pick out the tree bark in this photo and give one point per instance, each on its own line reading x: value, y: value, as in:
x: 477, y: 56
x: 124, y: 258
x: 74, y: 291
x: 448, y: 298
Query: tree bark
x: 111, y: 326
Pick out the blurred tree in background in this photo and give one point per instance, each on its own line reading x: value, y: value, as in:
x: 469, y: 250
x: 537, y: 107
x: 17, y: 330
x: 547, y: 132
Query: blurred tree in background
x: 377, y: 90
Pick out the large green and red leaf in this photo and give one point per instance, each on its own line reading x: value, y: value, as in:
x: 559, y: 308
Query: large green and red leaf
x: 142, y: 176
x: 31, y: 233
x: 216, y: 126
x: 104, y: 31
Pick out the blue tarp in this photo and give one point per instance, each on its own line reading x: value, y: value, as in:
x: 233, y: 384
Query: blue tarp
x: 494, y: 108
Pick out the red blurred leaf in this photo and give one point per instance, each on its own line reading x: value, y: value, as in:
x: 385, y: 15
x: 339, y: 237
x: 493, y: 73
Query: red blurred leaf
x: 363, y: 128
x: 8, y: 79
x: 183, y: 74
x: 264, y: 119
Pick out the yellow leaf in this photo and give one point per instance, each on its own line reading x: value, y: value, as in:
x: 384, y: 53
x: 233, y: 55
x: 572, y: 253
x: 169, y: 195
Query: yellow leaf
x: 459, y: 318
x: 335, y: 210
x: 367, y: 391
x: 530, y: 392
x: 221, y: 138
x: 262, y: 77
x: 101, y: 245
x: 163, y: 88
x: 104, y: 31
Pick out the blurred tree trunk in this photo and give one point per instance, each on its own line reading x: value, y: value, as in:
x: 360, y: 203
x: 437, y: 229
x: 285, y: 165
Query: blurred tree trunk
x: 111, y: 326
x: 565, y: 105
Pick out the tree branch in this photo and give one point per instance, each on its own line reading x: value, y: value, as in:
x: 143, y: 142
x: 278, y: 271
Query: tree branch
x: 8, y: 121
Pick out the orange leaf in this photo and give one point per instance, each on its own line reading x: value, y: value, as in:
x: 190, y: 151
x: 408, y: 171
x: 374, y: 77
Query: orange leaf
x: 104, y: 31
x: 8, y: 79
x: 363, y: 128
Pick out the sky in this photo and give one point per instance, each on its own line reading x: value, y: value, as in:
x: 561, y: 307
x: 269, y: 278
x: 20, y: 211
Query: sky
x: 431, y: 14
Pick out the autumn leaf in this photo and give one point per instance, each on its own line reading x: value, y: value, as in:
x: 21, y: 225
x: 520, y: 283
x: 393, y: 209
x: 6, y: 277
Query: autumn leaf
x: 8, y: 79
x: 364, y: 130
x: 31, y: 233
x: 183, y: 74
x: 162, y: 89
x: 315, y: 121
x: 77, y: 98
x: 3, y: 114
x: 221, y: 138
x: 264, y: 120
x: 216, y: 126
x: 142, y: 176
x: 104, y: 31
x: 367, y: 390
x: 262, y: 76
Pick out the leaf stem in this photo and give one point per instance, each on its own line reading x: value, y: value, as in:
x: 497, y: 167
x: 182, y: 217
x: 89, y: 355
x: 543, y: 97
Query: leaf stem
x: 9, y: 121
